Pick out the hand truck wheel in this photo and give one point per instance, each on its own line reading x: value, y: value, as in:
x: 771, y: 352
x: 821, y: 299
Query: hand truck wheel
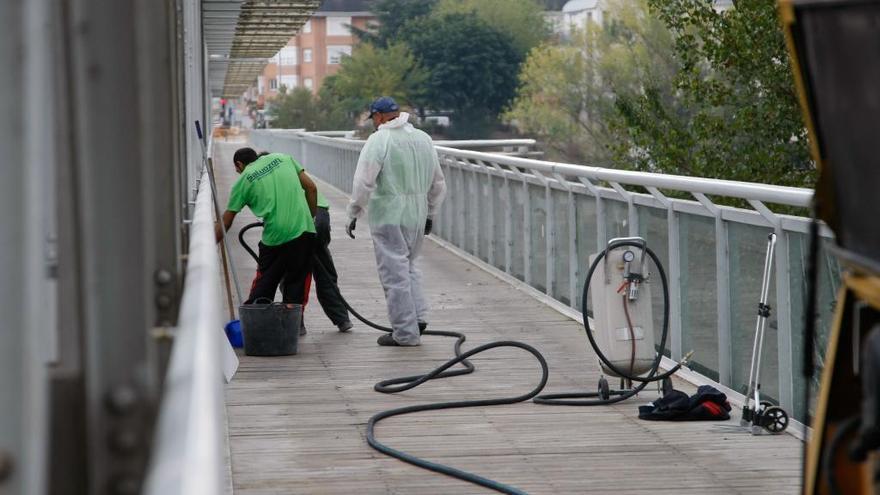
x: 774, y: 419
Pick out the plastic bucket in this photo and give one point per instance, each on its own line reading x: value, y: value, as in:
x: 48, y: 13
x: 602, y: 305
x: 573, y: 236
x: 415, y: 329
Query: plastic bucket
x: 270, y: 329
x: 233, y: 333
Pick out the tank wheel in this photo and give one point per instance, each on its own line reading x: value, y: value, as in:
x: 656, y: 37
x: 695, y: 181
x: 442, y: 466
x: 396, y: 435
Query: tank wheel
x: 604, y: 389
x: 774, y: 419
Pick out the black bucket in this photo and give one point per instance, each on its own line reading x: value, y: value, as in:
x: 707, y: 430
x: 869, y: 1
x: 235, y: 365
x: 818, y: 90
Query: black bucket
x: 270, y: 329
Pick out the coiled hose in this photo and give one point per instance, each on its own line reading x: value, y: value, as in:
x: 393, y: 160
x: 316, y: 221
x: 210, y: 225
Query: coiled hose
x: 401, y: 384
x: 590, y: 398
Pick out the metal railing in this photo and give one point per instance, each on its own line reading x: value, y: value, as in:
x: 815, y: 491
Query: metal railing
x: 539, y: 221
x: 189, y: 453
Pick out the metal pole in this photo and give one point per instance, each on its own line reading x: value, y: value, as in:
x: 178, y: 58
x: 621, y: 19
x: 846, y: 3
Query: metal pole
x: 216, y: 202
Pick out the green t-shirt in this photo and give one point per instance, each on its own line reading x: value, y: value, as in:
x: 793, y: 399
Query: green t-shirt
x: 322, y: 201
x: 270, y: 187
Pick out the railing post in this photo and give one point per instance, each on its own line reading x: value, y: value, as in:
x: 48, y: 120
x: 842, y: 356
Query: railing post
x: 475, y: 191
x: 783, y: 319
x: 508, y: 225
x: 549, y: 240
x: 461, y: 215
x: 674, y: 275
x: 722, y: 275
x: 573, y: 262
x: 722, y: 291
x: 527, y: 232
x: 490, y: 204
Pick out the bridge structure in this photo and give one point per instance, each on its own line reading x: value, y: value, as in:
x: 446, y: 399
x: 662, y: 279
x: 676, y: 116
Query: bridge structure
x: 118, y: 378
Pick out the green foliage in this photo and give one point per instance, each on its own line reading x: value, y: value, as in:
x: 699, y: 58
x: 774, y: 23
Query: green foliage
x: 743, y: 120
x: 294, y: 110
x: 300, y: 110
x: 522, y: 20
x: 392, y: 16
x: 567, y: 92
x: 373, y: 72
x: 672, y: 86
x: 471, y: 66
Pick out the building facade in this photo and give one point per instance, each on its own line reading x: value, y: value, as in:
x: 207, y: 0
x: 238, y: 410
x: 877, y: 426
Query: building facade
x: 317, y: 50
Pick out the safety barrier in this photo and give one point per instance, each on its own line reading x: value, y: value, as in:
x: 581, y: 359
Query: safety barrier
x: 539, y: 221
x: 190, y: 445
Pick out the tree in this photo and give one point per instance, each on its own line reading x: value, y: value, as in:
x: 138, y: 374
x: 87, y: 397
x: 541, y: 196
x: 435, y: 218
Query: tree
x: 522, y: 20
x: 293, y: 110
x: 374, y: 72
x: 392, y: 17
x: 568, y: 93
x: 472, y: 67
x: 300, y: 110
x: 743, y: 121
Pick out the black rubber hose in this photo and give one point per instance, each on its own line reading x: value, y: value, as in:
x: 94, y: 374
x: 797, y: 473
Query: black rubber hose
x: 409, y: 382
x: 468, y: 367
x: 440, y: 468
x: 568, y: 399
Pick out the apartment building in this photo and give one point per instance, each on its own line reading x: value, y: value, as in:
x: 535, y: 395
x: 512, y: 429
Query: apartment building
x: 316, y: 52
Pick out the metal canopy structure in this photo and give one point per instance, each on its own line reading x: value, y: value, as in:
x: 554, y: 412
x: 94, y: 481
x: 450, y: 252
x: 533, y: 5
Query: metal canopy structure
x: 242, y: 35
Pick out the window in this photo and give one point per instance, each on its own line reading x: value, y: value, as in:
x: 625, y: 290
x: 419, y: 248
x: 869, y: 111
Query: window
x: 338, y: 26
x: 273, y: 83
x: 307, y: 27
x: 287, y: 55
x: 290, y: 81
x: 261, y: 84
x: 309, y: 83
x: 307, y: 55
x: 335, y: 53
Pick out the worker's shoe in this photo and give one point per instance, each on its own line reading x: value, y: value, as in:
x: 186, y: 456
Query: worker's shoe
x: 423, y: 325
x: 345, y: 326
x: 387, y: 340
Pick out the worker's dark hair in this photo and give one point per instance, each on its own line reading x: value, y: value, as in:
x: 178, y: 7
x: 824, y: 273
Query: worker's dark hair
x: 263, y: 153
x: 245, y: 155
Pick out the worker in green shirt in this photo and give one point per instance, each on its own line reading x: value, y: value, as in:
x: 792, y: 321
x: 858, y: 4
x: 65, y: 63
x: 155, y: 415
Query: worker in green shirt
x: 277, y: 189
x: 326, y: 278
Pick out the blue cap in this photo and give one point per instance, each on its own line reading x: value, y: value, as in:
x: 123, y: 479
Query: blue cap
x: 384, y: 104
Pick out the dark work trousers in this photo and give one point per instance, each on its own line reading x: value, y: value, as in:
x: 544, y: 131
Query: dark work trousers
x: 288, y: 264
x: 325, y: 272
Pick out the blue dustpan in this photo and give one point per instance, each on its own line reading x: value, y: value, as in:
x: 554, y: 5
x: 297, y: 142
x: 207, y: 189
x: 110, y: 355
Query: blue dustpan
x: 233, y: 333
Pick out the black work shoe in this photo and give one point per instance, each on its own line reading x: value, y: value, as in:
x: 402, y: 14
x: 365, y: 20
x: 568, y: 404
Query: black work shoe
x: 345, y: 326
x: 423, y: 325
x: 387, y: 340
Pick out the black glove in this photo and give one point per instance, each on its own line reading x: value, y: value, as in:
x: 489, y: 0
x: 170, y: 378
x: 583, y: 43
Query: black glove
x: 349, y: 229
x: 429, y: 224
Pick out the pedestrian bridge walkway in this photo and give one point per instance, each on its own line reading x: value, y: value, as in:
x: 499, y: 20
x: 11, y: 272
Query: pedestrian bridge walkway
x: 297, y: 424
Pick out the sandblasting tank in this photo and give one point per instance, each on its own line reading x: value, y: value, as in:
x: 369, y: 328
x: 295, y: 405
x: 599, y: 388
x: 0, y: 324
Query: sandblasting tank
x: 622, y: 313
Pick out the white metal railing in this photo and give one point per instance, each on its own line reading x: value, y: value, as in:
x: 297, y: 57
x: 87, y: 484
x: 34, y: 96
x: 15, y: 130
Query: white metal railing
x: 188, y: 457
x: 539, y: 221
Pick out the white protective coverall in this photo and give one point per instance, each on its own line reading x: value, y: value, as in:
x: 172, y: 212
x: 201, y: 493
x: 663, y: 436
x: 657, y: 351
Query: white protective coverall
x: 398, y: 180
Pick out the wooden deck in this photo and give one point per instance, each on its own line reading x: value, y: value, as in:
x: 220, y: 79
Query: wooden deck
x: 297, y: 424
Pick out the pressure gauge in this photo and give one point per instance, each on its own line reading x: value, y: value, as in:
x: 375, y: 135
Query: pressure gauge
x: 628, y: 256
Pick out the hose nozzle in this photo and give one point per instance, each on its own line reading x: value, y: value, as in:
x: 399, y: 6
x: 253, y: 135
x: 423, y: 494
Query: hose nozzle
x: 686, y: 358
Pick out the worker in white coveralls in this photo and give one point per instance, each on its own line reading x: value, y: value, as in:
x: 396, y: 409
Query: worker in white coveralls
x: 399, y: 182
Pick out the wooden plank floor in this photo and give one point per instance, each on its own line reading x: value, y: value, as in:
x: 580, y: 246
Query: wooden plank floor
x: 297, y: 424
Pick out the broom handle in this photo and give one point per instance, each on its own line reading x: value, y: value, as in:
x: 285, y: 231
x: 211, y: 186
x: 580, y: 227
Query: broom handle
x: 209, y: 164
x: 229, y: 302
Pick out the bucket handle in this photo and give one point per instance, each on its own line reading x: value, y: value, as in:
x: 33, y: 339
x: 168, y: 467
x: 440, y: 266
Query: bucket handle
x: 257, y: 300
